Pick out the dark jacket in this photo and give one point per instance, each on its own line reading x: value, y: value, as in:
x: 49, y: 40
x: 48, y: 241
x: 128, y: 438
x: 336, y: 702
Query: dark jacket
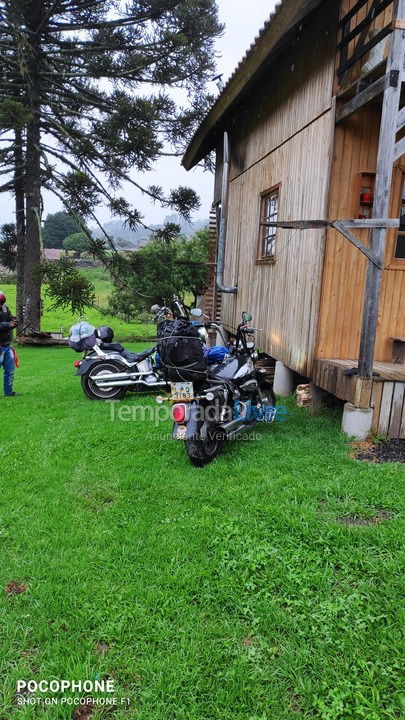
x: 6, y: 332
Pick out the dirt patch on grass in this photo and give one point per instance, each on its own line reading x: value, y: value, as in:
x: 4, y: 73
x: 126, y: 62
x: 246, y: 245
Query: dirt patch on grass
x: 15, y: 588
x: 385, y: 451
x: 365, y: 446
x: 296, y: 704
x: 248, y: 641
x: 102, y: 648
x: 30, y: 653
x: 85, y: 711
x: 377, y: 518
x: 97, y: 499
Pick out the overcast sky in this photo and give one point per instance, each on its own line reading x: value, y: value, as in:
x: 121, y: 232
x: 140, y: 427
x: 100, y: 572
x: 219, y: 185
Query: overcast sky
x: 243, y: 19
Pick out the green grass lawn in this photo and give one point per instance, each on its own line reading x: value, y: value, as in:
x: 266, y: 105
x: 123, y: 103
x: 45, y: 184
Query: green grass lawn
x: 55, y: 320
x: 241, y: 591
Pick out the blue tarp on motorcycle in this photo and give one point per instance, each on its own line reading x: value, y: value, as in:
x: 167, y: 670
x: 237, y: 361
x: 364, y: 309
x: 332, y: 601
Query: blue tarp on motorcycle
x: 215, y: 354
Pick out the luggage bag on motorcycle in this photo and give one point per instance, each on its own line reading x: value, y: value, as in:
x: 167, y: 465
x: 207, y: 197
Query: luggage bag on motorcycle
x: 82, y: 337
x: 180, y: 350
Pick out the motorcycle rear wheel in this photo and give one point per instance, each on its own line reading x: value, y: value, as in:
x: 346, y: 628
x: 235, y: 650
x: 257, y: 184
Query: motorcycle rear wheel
x: 96, y: 393
x: 201, y: 452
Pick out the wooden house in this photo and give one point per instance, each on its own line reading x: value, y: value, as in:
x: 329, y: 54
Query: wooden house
x: 309, y: 188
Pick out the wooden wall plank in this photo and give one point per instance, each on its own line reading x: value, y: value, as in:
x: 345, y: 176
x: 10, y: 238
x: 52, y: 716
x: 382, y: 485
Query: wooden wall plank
x: 376, y: 403
x: 385, y: 409
x: 397, y: 410
x: 402, y: 426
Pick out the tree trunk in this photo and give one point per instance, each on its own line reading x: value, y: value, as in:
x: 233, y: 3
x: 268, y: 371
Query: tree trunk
x: 32, y: 278
x: 20, y: 226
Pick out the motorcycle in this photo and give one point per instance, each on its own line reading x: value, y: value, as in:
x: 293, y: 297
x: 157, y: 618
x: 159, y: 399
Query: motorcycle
x: 232, y: 395
x: 107, y: 370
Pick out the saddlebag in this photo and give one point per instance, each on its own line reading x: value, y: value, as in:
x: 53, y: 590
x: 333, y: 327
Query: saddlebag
x: 180, y: 350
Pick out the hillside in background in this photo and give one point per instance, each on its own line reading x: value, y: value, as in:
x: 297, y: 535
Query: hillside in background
x: 117, y: 229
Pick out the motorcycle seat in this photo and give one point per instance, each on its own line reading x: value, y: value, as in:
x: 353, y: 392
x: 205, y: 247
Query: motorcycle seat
x: 111, y: 347
x: 137, y: 357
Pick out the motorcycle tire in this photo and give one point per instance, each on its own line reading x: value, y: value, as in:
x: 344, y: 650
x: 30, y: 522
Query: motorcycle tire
x: 95, y: 393
x: 201, y: 452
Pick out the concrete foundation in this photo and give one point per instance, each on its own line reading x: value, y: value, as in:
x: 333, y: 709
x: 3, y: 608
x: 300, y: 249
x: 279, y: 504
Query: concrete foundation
x: 283, y: 380
x: 357, y: 421
x: 316, y: 399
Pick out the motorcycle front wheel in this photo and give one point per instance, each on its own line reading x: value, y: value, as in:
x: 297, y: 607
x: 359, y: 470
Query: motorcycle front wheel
x: 203, y: 451
x: 107, y: 392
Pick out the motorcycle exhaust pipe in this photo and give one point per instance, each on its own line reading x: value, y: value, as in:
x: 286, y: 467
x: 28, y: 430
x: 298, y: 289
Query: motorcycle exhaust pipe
x: 122, y: 383
x: 229, y: 426
x: 239, y: 429
x: 113, y: 377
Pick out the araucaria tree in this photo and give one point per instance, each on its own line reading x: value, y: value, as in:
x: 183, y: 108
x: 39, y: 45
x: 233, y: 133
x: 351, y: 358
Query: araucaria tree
x: 85, y: 101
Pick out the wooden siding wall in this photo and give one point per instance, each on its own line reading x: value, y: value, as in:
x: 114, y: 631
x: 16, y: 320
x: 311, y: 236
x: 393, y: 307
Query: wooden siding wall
x: 388, y: 402
x: 283, y: 135
x: 344, y: 266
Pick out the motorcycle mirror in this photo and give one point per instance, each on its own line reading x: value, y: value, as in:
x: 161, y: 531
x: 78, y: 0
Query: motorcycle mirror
x: 196, y: 312
x: 246, y: 317
x: 155, y: 308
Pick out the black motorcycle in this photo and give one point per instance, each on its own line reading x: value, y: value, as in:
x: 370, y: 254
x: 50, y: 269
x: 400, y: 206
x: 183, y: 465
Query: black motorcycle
x: 212, y: 406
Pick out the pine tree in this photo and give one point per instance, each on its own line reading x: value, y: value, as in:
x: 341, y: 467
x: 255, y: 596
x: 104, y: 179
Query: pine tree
x: 85, y: 100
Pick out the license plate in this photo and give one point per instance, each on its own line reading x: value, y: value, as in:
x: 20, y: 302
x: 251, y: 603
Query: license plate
x: 182, y: 391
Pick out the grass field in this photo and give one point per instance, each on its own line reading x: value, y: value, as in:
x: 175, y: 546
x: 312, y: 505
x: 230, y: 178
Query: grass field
x: 266, y: 586
x: 55, y: 320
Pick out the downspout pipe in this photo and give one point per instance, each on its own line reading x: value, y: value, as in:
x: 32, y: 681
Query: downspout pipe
x: 223, y: 222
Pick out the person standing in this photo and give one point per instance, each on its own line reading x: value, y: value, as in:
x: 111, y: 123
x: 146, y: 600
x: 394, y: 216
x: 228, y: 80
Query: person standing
x: 7, y: 324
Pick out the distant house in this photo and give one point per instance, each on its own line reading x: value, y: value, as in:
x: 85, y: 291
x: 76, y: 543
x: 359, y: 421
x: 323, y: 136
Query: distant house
x: 310, y: 130
x: 53, y: 253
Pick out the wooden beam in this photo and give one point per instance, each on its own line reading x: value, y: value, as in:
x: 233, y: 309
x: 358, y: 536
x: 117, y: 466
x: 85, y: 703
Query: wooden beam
x: 399, y: 148
x: 353, y: 12
x: 377, y: 8
x: 364, y: 49
x: 401, y: 119
x: 382, y: 194
x: 365, y: 96
x: 298, y: 224
x: 370, y: 223
x: 344, y: 53
x: 339, y: 226
x: 366, y: 224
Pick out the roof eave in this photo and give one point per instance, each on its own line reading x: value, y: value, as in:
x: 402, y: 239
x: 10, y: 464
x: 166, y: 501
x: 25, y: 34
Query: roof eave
x: 285, y: 18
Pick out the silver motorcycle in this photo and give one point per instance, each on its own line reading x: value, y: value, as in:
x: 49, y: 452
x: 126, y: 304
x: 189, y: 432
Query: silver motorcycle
x: 108, y: 371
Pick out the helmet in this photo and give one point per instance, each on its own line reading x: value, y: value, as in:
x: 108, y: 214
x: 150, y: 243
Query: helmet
x: 104, y: 333
x: 2, y: 297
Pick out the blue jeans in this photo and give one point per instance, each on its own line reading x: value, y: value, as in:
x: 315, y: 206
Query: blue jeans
x: 7, y: 361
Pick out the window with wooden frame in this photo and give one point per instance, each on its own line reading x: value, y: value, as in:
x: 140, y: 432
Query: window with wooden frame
x: 269, y: 206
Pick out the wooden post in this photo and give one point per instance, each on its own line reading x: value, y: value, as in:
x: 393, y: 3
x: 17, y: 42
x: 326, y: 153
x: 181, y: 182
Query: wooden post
x: 382, y: 192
